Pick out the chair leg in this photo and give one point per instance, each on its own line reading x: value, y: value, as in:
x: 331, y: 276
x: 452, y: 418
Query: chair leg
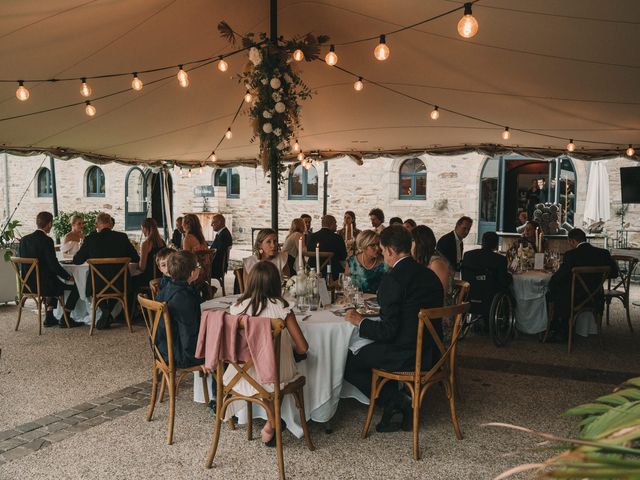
x: 172, y: 408
x: 215, y: 436
x: 372, y: 404
x: 249, y: 421
x: 20, y: 307
x: 415, y: 403
x: 39, y: 302
x: 608, y: 305
x: 94, y: 308
x: 278, y: 429
x: 205, y: 388
x: 626, y: 307
x: 570, y: 342
x: 224, y: 290
x: 162, y: 388
x: 452, y: 411
x: 154, y: 392
x: 299, y: 397
x: 126, y: 313
x: 64, y: 311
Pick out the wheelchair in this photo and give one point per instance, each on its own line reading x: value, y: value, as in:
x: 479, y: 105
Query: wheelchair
x: 491, y: 308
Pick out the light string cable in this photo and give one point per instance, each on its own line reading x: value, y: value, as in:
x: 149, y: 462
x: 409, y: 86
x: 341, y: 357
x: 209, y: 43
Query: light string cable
x: 223, y: 137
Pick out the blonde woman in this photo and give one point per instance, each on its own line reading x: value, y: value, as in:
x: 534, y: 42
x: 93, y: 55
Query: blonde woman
x: 367, y: 266
x: 266, y: 248
x: 290, y: 247
x: 72, y: 240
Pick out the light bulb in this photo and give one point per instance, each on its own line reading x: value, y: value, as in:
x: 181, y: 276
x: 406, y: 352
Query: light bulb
x: 228, y: 135
x: 301, y: 157
x: 22, y: 93
x: 189, y: 174
x: 296, y: 146
x: 179, y: 170
x: 630, y: 151
x: 136, y: 83
x: 85, y: 90
x: 200, y: 170
x: 506, y: 134
x: 222, y: 65
x: 90, y: 109
x: 298, y: 55
x: 381, y: 52
x: 213, y: 157
x: 183, y: 78
x: 308, y: 164
x: 571, y: 146
x: 331, y: 58
x: 467, y: 26
x: 358, y: 85
x: 248, y: 97
x: 435, y: 113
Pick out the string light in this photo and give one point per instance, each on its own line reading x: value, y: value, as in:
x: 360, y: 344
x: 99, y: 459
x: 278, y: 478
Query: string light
x: 358, y: 85
x: 183, y: 77
x: 89, y: 109
x: 222, y: 65
x: 571, y: 146
x: 213, y: 157
x: 301, y: 157
x: 381, y: 52
x: 630, y: 151
x: 136, y: 83
x: 22, y: 93
x: 298, y: 55
x: 179, y: 170
x: 85, y: 90
x: 248, y: 97
x: 331, y: 58
x: 296, y: 146
x: 200, y: 170
x: 308, y: 164
x: 468, y: 25
x: 189, y: 174
x: 506, y: 134
x: 435, y: 113
x: 228, y: 135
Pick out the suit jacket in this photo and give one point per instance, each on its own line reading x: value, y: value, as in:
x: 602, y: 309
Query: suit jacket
x: 221, y: 243
x: 404, y: 290
x: 176, y: 238
x: 585, y: 255
x: 329, y: 242
x: 447, y: 247
x: 40, y: 245
x: 105, y: 244
x: 485, y: 262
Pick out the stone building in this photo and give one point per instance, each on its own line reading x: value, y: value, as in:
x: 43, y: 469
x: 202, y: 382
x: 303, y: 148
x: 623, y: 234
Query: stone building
x: 435, y: 190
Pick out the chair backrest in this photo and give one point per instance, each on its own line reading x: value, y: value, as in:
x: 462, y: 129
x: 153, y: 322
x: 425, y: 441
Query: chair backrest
x: 447, y: 351
x: 239, y: 273
x: 461, y: 291
x: 626, y: 266
x: 110, y: 277
x: 482, y: 287
x: 325, y: 258
x: 155, y: 313
x: 25, y: 268
x: 586, y: 288
x: 154, y: 287
x: 225, y: 260
x: 205, y: 259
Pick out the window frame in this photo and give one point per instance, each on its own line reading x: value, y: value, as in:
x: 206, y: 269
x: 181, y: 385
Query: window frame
x: 48, y: 191
x: 229, y: 171
x: 305, y: 184
x: 101, y: 182
x: 413, y: 176
x: 132, y: 220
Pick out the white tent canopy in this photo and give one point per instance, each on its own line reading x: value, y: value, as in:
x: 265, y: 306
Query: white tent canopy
x: 567, y: 69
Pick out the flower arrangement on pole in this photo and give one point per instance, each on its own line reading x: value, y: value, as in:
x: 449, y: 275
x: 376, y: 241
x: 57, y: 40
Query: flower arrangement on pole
x: 276, y: 90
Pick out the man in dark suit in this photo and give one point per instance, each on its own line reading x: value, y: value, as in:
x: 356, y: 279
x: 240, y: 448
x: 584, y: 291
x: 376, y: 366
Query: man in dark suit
x: 329, y: 241
x: 451, y: 246
x: 221, y: 243
x: 178, y: 233
x: 40, y: 245
x: 106, y: 243
x: 404, y: 290
x: 487, y: 258
x: 581, y: 254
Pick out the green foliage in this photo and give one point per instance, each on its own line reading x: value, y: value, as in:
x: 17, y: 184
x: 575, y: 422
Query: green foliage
x: 7, y: 238
x: 62, y: 223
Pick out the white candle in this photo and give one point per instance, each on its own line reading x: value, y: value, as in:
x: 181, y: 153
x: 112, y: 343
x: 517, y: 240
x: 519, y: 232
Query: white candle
x: 300, y: 262
x: 318, y: 258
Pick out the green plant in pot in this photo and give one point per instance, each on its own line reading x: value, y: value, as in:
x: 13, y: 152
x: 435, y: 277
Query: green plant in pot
x: 8, y: 239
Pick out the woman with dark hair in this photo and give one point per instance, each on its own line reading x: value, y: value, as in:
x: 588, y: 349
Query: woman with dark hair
x: 292, y: 241
x: 349, y: 232
x: 263, y: 297
x: 409, y: 224
x: 423, y: 250
x: 266, y: 248
x: 193, y: 240
x: 149, y: 248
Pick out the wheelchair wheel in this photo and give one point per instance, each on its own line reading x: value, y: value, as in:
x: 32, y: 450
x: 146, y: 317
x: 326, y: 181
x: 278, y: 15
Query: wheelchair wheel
x: 502, y: 319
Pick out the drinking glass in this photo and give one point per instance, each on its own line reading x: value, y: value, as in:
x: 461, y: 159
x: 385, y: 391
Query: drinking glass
x: 303, y: 303
x: 358, y: 298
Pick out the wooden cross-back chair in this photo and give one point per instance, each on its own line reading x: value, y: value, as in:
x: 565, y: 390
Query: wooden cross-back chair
x: 325, y: 258
x: 419, y: 381
x: 621, y: 285
x: 110, y: 290
x: 588, y: 303
x: 154, y: 287
x: 270, y: 401
x: 155, y: 314
x: 25, y: 292
x: 225, y: 266
x: 203, y: 282
x: 239, y: 274
x: 460, y: 291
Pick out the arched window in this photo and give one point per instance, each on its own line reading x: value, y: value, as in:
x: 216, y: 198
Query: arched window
x: 135, y: 193
x: 413, y: 180
x: 44, y: 186
x: 230, y: 178
x: 95, y: 182
x: 303, y: 183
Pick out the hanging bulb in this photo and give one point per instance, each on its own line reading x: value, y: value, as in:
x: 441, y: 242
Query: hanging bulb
x: 381, y: 52
x: 435, y: 113
x: 308, y: 164
x: 468, y: 25
x: 506, y: 134
x: 228, y: 135
x: 222, y: 65
x: 85, y: 90
x: 89, y: 109
x: 179, y: 170
x: 301, y: 157
x: 200, y: 170
x: 298, y: 55
x: 189, y: 174
x: 358, y: 85
x: 248, y: 97
x: 22, y: 93
x: 331, y: 58
x: 136, y: 83
x: 296, y: 146
x: 183, y: 77
x: 571, y: 146
x: 630, y: 151
x: 213, y: 157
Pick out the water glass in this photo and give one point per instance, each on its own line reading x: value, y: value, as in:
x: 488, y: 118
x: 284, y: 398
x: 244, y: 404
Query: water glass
x: 303, y: 303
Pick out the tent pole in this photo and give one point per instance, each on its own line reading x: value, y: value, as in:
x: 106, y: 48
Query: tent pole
x: 273, y: 157
x: 7, y: 202
x: 325, y: 188
x: 54, y: 189
x: 164, y: 217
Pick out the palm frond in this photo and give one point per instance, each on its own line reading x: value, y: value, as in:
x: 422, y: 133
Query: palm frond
x: 227, y: 32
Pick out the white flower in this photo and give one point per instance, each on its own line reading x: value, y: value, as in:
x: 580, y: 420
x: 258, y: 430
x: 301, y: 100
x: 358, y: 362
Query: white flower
x: 275, y: 83
x: 263, y: 81
x: 287, y: 78
x: 267, y: 128
x: 255, y: 56
x: 276, y: 96
x: 266, y: 114
x: 280, y: 108
x: 278, y: 132
x: 281, y: 146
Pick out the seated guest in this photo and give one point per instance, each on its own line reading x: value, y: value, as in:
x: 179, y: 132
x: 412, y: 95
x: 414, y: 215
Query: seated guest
x: 581, y: 254
x: 39, y: 245
x: 178, y: 233
x: 404, y: 290
x: 106, y: 243
x: 183, y: 302
x: 451, y: 246
x: 487, y: 258
x: 291, y: 242
x: 423, y: 250
x: 263, y: 298
x: 349, y: 232
x: 149, y: 248
x: 112, y: 222
x: 193, y: 240
x: 266, y: 248
x: 376, y: 216
x: 72, y: 240
x: 522, y: 221
x: 222, y: 242
x: 161, y: 262
x: 306, y: 218
x: 328, y: 241
x: 528, y: 237
x: 409, y: 224
x: 367, y: 267
x: 395, y: 221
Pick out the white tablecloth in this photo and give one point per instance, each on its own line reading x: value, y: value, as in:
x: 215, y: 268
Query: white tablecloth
x: 329, y: 337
